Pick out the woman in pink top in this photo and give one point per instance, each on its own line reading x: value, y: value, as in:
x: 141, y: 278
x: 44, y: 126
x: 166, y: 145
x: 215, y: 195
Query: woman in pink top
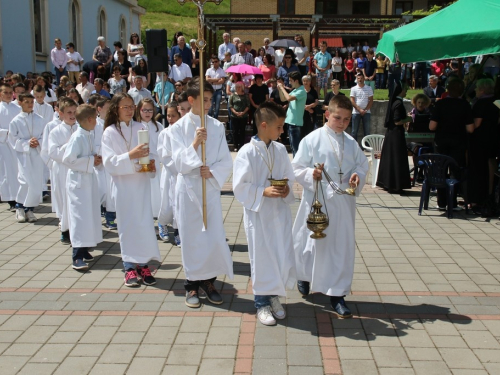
x: 268, y: 69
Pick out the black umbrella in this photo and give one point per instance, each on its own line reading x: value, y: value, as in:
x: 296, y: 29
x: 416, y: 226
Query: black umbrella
x: 284, y: 43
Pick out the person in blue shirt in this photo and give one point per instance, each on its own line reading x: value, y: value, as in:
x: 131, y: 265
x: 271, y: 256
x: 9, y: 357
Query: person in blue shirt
x: 99, y: 89
x: 182, y: 49
x: 287, y: 67
x: 322, y: 63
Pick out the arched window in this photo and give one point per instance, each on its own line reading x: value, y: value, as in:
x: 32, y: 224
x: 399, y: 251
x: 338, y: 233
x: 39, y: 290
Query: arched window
x: 74, y: 25
x: 39, y: 25
x: 123, y: 31
x: 102, y: 23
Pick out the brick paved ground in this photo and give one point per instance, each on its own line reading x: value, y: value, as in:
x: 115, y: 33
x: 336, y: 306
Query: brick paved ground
x: 426, y: 297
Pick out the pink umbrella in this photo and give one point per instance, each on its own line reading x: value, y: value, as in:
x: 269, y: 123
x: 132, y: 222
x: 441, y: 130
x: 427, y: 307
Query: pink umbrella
x: 243, y: 69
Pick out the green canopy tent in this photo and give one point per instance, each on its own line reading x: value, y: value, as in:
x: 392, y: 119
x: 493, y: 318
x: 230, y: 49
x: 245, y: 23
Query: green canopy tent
x: 465, y: 28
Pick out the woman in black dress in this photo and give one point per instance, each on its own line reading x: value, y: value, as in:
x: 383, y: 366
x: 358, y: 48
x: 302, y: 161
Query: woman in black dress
x: 394, y: 170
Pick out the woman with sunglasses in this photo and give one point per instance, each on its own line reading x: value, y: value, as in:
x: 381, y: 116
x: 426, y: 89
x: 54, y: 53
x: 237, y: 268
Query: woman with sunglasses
x: 133, y: 47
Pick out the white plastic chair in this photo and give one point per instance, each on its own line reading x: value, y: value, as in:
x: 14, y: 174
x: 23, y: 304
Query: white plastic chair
x: 373, y: 143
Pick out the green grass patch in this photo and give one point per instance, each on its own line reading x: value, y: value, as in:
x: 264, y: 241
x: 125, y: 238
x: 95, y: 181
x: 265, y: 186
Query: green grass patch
x: 384, y: 94
x: 186, y: 10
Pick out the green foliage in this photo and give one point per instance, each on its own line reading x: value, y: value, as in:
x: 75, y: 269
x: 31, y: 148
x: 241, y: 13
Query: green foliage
x: 427, y: 12
x: 186, y: 10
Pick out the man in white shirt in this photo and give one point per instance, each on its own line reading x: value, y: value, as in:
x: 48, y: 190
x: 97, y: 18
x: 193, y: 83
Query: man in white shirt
x: 179, y: 70
x: 75, y: 61
x: 362, y: 101
x: 242, y: 57
x: 59, y: 60
x: 139, y: 92
x: 227, y: 46
x: 269, y: 50
x: 85, y: 87
x: 216, y: 76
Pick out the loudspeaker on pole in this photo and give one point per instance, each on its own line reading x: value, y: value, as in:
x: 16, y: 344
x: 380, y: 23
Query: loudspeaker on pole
x: 157, y: 50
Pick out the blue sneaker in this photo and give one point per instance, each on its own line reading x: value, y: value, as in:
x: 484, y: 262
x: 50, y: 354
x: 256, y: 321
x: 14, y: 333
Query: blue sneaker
x: 177, y: 240
x: 110, y: 220
x: 80, y: 265
x: 163, y: 232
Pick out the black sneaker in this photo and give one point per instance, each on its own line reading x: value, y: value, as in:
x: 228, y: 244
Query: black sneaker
x: 340, y: 308
x: 65, y: 239
x: 192, y: 299
x: 211, y: 293
x: 303, y: 287
x: 131, y: 278
x: 87, y: 257
x: 146, y: 276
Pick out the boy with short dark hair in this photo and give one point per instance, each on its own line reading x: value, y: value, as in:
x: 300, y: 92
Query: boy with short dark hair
x: 25, y: 137
x: 205, y: 253
x: 58, y: 138
x: 81, y: 188
x: 267, y: 214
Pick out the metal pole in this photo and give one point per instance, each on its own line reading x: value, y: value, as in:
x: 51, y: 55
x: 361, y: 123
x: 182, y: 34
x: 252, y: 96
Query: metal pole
x: 201, y: 47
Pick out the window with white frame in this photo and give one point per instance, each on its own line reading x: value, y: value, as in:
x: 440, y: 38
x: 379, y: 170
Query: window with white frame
x: 102, y: 24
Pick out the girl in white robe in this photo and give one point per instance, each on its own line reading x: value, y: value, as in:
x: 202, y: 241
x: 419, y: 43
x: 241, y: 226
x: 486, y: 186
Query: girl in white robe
x: 46, y: 112
x: 327, y: 265
x: 82, y: 189
x: 25, y: 137
x: 58, y: 138
x: 120, y: 151
x: 267, y: 215
x: 145, y: 113
x: 9, y: 184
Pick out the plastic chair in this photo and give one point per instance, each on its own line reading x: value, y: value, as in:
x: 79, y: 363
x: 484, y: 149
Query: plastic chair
x: 436, y: 168
x: 373, y: 143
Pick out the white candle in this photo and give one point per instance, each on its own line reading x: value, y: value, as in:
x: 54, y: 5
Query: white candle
x: 143, y: 137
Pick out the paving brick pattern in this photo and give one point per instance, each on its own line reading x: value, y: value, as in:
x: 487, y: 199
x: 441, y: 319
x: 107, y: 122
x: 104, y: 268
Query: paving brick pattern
x: 426, y: 299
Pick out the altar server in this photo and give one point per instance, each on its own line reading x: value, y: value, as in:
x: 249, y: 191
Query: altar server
x: 9, y: 184
x: 205, y: 253
x: 81, y: 188
x: 120, y: 152
x: 25, y: 137
x: 327, y: 265
x: 267, y: 216
x: 58, y: 138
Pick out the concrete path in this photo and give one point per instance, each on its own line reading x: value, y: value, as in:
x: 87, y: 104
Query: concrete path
x: 426, y: 298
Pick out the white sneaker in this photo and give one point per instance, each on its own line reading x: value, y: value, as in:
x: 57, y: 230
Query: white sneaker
x: 276, y: 308
x: 20, y: 215
x: 31, y: 217
x: 265, y: 316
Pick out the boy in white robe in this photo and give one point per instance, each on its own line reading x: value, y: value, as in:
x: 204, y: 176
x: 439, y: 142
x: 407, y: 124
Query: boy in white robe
x: 58, y: 138
x: 25, y: 137
x: 46, y: 112
x: 9, y: 184
x: 205, y: 253
x: 327, y: 265
x: 103, y: 178
x: 267, y: 216
x: 82, y: 189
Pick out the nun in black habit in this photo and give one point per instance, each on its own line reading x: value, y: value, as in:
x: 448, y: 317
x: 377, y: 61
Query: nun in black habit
x: 394, y: 170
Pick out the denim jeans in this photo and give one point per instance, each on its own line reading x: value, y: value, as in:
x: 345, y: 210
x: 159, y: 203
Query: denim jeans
x: 195, y: 284
x: 356, y: 119
x: 294, y: 134
x: 128, y: 265
x: 379, y: 80
x: 60, y: 74
x: 261, y: 301
x: 79, y: 252
x: 216, y: 99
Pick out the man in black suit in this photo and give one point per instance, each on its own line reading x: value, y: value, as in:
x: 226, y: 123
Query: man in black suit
x: 433, y: 91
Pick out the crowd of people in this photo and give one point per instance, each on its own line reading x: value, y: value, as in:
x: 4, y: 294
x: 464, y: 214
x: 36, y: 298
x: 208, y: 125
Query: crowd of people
x: 97, y: 138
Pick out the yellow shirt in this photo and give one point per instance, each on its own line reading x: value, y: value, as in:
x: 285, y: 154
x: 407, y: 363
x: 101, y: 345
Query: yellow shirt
x: 380, y: 66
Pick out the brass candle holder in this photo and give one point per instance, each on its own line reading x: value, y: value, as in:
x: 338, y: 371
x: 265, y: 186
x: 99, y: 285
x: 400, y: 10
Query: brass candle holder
x: 275, y: 182
x: 317, y: 221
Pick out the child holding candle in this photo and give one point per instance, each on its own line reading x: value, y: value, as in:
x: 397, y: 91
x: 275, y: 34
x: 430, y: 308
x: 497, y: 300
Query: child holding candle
x: 205, y: 253
x: 168, y: 178
x: 82, y: 189
x: 132, y: 190
x: 267, y: 215
x: 145, y: 113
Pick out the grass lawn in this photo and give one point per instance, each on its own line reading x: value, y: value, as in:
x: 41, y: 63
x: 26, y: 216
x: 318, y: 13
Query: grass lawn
x: 384, y: 94
x: 170, y: 15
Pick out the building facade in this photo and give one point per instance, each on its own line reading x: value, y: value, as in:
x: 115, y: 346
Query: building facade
x: 28, y: 29
x: 335, y: 10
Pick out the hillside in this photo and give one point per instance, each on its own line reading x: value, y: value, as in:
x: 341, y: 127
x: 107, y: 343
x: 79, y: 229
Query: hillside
x: 169, y: 14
